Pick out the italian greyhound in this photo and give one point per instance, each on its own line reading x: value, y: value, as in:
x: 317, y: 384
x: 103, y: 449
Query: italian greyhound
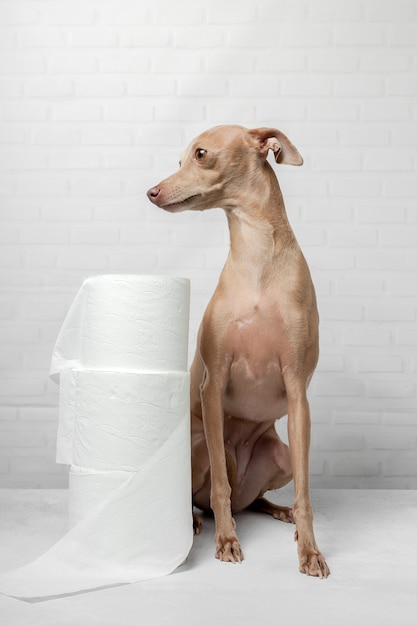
x: 257, y: 344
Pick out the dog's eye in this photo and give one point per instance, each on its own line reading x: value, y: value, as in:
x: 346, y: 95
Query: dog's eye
x: 200, y: 154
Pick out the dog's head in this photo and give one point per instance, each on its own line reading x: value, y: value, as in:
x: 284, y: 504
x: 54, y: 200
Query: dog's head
x: 219, y: 165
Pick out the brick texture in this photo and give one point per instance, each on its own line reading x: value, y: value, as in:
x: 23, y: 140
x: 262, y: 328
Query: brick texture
x: 97, y: 100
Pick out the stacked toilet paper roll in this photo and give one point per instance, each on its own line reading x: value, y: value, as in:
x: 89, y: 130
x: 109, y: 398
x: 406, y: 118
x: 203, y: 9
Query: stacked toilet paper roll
x: 120, y: 360
x: 125, y: 323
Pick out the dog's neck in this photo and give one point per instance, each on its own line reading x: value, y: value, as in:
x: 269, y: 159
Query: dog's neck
x: 260, y: 233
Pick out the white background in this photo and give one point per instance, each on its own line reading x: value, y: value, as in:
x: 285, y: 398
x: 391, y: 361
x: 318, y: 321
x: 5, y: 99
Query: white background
x: 98, y: 99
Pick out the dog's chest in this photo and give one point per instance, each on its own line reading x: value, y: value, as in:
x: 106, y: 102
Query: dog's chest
x: 255, y: 388
x: 256, y: 333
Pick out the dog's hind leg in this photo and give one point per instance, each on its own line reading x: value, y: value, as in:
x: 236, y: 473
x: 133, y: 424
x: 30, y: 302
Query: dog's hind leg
x: 282, y: 513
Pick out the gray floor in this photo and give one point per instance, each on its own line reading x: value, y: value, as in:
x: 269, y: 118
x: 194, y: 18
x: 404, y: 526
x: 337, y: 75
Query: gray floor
x: 368, y: 537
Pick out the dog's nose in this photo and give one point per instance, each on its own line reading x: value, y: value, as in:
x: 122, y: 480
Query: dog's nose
x: 153, y: 193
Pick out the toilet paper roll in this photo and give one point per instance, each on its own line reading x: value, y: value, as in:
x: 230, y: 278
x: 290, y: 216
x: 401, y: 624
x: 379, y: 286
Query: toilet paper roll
x: 116, y: 420
x: 125, y: 322
x: 124, y: 428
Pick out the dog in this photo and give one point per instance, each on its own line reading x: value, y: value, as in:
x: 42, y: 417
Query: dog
x: 257, y: 345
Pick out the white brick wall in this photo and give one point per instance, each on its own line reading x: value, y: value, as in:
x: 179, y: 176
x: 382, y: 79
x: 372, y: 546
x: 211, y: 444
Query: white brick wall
x: 99, y: 97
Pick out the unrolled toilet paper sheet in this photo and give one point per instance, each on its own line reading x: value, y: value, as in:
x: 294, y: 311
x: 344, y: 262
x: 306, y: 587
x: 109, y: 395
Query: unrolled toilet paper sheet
x: 132, y: 535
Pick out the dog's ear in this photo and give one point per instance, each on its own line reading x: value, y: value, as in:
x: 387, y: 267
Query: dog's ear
x: 273, y: 139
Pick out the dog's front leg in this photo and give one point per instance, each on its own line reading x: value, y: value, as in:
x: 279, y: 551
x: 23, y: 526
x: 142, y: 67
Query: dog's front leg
x: 311, y: 560
x: 227, y: 543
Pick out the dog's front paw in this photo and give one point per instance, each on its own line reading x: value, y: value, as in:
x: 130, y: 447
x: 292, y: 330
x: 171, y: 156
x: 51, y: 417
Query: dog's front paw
x: 228, y: 548
x: 312, y: 562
